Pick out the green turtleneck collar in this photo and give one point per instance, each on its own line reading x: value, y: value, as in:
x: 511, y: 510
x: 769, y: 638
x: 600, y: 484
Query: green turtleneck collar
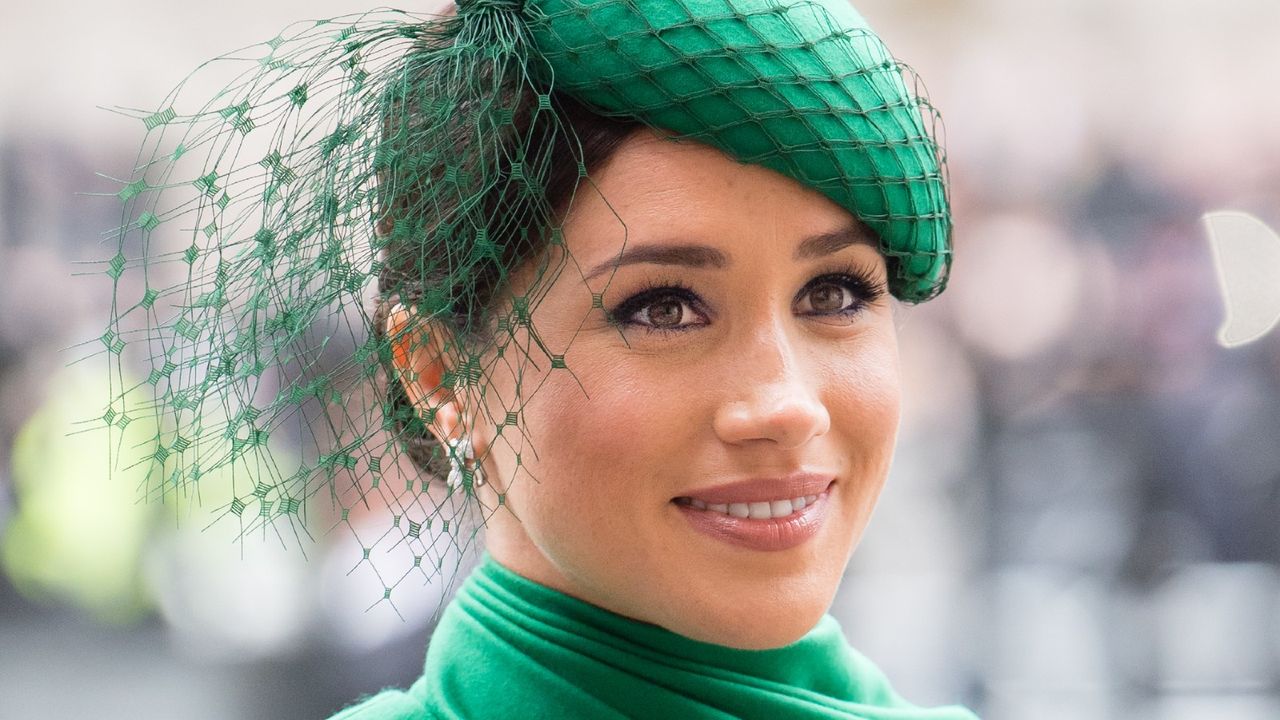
x: 508, y: 647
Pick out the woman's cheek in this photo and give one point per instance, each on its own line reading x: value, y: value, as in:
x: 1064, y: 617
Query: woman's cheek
x: 599, y: 442
x: 866, y: 385
x: 865, y: 407
x: 587, y: 507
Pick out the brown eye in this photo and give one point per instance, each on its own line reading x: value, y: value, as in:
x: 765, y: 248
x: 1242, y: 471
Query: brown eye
x: 828, y: 297
x: 665, y: 314
x: 661, y: 308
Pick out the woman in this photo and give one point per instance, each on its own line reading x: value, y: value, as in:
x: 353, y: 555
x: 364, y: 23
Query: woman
x: 635, y: 268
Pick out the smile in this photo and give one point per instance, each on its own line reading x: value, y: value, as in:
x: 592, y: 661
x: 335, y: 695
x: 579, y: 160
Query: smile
x: 756, y: 510
x: 762, y: 525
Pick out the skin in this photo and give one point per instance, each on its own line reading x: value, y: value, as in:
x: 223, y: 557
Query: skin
x: 761, y: 383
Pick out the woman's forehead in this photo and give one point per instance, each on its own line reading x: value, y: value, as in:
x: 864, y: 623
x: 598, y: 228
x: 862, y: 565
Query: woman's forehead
x: 659, y: 190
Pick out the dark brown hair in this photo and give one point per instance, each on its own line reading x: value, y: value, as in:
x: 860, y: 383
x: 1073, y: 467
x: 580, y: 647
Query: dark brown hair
x: 514, y: 219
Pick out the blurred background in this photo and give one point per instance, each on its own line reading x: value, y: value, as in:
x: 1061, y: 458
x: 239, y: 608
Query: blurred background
x: 1083, y: 519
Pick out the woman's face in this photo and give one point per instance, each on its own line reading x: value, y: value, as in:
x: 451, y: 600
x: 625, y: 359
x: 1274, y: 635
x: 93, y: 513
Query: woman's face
x: 757, y: 355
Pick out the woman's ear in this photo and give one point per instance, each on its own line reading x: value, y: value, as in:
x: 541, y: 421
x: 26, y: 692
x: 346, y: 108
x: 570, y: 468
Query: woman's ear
x: 420, y: 353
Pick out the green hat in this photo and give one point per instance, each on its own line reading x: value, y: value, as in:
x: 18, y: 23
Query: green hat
x: 356, y: 163
x: 803, y: 88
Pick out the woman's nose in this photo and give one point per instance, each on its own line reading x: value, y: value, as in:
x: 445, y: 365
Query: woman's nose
x: 772, y: 394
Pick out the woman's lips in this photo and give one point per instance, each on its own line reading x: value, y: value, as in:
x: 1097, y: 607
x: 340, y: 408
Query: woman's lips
x: 769, y: 534
x: 765, y: 489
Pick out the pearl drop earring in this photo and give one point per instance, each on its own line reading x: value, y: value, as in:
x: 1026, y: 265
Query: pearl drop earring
x: 462, y: 446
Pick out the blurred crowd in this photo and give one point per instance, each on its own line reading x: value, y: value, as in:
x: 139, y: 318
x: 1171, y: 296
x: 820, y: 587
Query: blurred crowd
x: 1083, y: 518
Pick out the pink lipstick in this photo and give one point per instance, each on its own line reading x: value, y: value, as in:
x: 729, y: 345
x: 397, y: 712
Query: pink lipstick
x: 768, y: 514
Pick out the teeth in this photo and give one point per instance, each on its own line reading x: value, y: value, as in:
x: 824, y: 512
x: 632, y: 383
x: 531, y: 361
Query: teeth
x: 756, y: 510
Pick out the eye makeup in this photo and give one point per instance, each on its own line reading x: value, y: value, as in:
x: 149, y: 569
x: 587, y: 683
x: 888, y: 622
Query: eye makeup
x: 860, y: 281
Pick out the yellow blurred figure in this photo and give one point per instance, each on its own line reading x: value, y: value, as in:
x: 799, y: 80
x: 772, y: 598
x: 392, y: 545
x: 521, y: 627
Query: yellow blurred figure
x: 77, y: 532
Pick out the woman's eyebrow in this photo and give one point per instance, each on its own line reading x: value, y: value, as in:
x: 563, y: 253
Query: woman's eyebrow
x: 704, y: 256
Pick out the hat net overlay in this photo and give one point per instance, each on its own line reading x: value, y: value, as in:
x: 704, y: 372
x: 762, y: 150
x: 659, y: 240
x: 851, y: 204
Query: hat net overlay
x: 353, y: 165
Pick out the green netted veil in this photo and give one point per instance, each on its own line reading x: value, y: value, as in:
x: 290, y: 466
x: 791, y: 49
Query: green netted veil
x: 267, y: 228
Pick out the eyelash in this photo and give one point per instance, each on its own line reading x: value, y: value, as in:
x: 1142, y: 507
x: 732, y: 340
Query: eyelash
x: 861, y: 283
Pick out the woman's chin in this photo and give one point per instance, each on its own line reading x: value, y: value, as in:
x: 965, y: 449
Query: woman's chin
x: 768, y: 603
x: 741, y: 628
